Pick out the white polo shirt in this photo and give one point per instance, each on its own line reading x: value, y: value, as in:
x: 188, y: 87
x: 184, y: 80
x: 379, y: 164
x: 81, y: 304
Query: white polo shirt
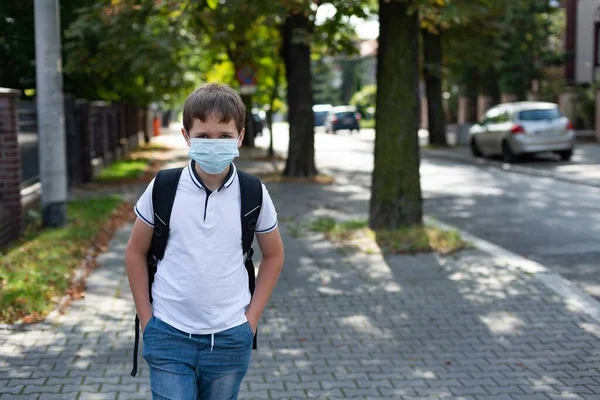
x: 201, y: 284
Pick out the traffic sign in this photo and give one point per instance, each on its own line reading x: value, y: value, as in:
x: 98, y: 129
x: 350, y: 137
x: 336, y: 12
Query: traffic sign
x: 248, y: 89
x: 246, y: 74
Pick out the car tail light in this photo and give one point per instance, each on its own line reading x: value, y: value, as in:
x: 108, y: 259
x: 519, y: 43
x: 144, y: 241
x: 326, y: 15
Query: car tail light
x: 334, y: 119
x: 570, y: 126
x: 357, y: 116
x: 517, y: 130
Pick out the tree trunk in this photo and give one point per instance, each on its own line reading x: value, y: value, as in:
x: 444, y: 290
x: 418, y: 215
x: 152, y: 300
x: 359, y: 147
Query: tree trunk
x: 396, y: 190
x: 432, y: 54
x: 249, y: 135
x: 296, y: 56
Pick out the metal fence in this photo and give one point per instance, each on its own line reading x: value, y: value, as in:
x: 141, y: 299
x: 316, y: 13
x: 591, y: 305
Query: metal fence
x: 93, y: 130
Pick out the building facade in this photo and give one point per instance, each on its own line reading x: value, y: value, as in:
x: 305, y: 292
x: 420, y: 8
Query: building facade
x: 583, y: 41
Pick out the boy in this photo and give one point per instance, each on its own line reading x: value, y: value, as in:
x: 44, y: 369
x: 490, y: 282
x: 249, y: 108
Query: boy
x: 198, y: 331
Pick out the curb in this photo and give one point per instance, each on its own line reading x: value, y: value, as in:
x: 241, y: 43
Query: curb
x: 442, y: 154
x: 573, y: 295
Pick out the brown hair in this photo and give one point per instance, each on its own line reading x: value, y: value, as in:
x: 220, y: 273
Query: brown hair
x: 219, y: 101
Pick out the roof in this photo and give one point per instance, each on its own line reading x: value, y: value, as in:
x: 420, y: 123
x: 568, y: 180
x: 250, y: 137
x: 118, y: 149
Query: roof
x: 344, y: 109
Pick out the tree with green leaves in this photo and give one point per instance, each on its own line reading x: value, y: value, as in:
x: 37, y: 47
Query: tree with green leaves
x: 17, y: 41
x: 396, y: 190
x: 133, y: 52
x: 437, y: 17
x: 524, y: 42
x: 247, y: 32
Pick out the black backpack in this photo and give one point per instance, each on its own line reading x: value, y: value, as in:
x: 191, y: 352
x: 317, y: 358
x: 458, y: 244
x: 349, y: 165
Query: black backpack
x: 163, y: 196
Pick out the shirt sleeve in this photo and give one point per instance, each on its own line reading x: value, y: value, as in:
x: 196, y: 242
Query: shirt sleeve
x: 267, y: 219
x: 144, y: 208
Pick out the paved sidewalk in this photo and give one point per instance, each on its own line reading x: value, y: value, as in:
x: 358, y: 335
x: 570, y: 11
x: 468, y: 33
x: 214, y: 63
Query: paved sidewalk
x: 583, y: 169
x: 340, y: 325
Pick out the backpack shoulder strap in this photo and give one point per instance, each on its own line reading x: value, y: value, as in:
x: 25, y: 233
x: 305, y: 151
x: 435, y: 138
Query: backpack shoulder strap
x: 252, y: 198
x: 163, y: 197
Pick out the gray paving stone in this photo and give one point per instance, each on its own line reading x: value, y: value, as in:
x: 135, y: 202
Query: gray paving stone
x: 536, y: 396
x: 41, y: 389
x: 97, y: 396
x: 312, y: 385
x: 495, y: 397
x: 64, y: 381
x: 26, y: 382
x: 475, y: 390
x: 71, y: 396
x: 355, y: 339
x: 11, y: 389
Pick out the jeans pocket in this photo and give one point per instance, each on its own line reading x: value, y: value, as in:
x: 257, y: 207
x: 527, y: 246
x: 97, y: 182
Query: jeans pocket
x: 248, y: 328
x: 146, y: 327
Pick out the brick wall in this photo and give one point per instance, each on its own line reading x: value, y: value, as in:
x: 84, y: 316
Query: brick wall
x: 10, y: 168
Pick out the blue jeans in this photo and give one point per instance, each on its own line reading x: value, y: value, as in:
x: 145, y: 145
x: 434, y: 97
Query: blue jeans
x: 193, y: 368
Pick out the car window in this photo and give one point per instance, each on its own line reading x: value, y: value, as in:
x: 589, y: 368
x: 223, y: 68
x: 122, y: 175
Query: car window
x: 491, y: 116
x: 540, y: 114
x: 503, y: 117
x: 344, y: 114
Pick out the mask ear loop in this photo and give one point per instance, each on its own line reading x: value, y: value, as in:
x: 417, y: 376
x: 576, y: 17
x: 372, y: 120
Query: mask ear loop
x: 188, y: 139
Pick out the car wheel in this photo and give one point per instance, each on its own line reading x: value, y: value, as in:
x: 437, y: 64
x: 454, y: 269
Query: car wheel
x: 508, y: 153
x: 566, y: 154
x: 475, y: 150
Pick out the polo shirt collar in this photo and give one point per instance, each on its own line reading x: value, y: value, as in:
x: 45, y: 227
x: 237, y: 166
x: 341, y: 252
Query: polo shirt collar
x: 229, y: 179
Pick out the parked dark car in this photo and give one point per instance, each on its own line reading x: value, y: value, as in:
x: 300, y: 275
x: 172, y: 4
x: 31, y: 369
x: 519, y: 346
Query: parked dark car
x: 343, y: 117
x: 321, y: 111
x: 259, y: 122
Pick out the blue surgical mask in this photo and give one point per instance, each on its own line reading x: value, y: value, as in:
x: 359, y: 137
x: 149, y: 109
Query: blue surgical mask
x: 213, y: 155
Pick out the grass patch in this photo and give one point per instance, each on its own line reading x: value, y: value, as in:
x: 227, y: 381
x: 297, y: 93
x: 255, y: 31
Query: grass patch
x: 35, y: 273
x: 277, y: 177
x: 335, y: 230
x: 138, y: 162
x: 367, y: 123
x: 420, y: 239
x: 402, y: 241
x: 154, y: 147
x: 124, y: 169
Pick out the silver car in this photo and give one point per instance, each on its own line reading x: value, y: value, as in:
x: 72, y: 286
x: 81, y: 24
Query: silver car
x: 512, y: 129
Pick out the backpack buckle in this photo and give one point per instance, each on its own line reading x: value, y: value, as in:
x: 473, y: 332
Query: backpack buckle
x: 248, y: 255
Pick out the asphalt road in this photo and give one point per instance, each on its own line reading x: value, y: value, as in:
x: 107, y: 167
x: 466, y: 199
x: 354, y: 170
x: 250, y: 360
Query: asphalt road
x: 553, y: 222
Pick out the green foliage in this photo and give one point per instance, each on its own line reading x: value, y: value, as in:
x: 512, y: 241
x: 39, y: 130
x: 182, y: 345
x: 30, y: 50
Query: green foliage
x: 508, y: 41
x: 365, y: 98
x: 367, y: 123
x: 17, y: 41
x: 523, y: 40
x: 323, y: 90
x: 136, y: 52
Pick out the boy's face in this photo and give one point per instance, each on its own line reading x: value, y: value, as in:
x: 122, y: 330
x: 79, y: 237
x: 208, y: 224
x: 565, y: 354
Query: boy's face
x: 213, y: 129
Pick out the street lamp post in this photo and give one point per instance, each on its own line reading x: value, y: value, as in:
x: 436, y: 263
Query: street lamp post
x: 50, y: 113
